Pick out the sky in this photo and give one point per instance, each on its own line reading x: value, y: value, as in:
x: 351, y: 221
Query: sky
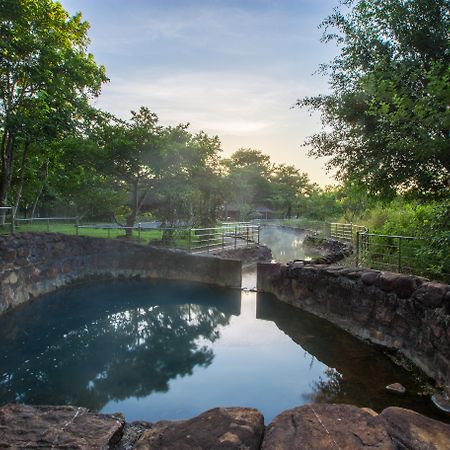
x: 232, y: 68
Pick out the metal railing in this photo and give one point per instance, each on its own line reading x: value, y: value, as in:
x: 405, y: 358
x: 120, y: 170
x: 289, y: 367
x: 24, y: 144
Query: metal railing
x: 394, y: 253
x: 193, y: 240
x: 36, y: 224
x: 5, y: 226
x: 403, y: 254
x: 229, y: 235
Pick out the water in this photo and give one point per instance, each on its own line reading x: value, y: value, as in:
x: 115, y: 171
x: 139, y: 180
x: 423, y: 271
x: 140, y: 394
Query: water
x: 163, y: 350
x: 286, y: 244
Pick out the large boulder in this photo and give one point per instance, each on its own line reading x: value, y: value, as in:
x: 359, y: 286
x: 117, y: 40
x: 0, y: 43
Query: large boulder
x: 218, y: 428
x: 412, y: 431
x: 327, y: 427
x: 57, y: 427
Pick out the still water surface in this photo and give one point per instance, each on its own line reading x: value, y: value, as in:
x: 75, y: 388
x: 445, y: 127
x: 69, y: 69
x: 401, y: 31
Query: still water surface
x: 161, y: 350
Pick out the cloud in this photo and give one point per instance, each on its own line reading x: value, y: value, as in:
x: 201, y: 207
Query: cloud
x: 218, y: 102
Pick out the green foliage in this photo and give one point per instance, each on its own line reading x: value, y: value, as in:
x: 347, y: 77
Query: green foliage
x: 388, y: 109
x: 47, y: 78
x: 253, y: 181
x: 428, y: 221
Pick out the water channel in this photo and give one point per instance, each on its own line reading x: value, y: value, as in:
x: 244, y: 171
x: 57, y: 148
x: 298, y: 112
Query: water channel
x: 164, y: 350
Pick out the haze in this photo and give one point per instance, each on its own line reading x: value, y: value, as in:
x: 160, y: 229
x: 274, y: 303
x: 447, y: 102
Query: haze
x: 231, y: 68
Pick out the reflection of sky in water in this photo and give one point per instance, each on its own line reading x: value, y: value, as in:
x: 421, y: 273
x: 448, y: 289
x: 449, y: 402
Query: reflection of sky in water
x: 254, y: 365
x: 161, y: 350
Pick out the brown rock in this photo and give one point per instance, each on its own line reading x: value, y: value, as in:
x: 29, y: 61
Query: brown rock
x: 413, y: 431
x: 219, y: 428
x: 396, y: 388
x: 447, y: 302
x: 369, y: 278
x: 405, y: 285
x: 387, y: 280
x: 326, y: 427
x: 431, y: 294
x: 57, y: 427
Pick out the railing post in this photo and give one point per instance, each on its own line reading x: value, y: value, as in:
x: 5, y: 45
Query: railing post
x: 48, y: 224
x: 258, y: 230
x: 13, y: 217
x: 223, y: 238
x: 190, y: 240
x: 357, y: 249
x: 246, y: 227
x: 235, y: 236
x: 139, y: 230
x: 399, y: 254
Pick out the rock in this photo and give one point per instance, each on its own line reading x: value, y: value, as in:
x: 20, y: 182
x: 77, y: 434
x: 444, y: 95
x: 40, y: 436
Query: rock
x: 412, y: 431
x: 327, y: 427
x: 131, y: 433
x: 405, y: 285
x: 369, y: 278
x: 58, y: 427
x: 431, y: 294
x: 386, y: 281
x: 219, y: 428
x: 442, y: 401
x: 447, y: 302
x: 396, y: 388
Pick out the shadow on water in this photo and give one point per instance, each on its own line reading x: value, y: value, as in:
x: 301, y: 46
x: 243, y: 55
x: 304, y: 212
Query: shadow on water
x: 93, y: 343
x: 356, y: 372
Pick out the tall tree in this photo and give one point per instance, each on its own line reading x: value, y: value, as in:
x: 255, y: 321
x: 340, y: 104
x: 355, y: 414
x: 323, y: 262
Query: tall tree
x: 46, y: 76
x: 248, y: 180
x: 131, y: 153
x: 289, y: 187
x: 387, y: 117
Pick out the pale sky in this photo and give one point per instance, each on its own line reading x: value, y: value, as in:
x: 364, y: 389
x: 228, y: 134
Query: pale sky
x: 229, y: 67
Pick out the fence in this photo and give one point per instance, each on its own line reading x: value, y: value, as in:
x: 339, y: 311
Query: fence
x: 6, y: 213
x: 194, y: 240
x: 37, y: 224
x: 404, y: 254
x: 229, y: 235
x: 198, y: 240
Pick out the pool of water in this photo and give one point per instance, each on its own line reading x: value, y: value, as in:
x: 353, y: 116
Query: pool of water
x: 286, y: 244
x: 163, y: 350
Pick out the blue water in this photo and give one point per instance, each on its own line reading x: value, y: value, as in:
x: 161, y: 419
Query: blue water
x: 162, y: 350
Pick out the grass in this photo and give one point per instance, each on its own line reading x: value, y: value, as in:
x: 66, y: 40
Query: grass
x: 180, y: 238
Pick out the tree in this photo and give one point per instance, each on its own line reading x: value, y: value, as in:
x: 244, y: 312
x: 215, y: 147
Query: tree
x: 46, y: 77
x: 131, y: 153
x: 289, y: 186
x: 388, y: 109
x: 248, y: 180
x: 189, y: 186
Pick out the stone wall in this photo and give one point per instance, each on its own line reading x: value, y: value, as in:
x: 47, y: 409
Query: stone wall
x: 405, y: 313
x: 36, y: 263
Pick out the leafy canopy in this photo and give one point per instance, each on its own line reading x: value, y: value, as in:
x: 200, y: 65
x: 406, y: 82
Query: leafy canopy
x: 387, y: 118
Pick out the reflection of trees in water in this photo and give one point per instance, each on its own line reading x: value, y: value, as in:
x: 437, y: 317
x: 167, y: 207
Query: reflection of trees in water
x: 117, y: 355
x: 328, y: 390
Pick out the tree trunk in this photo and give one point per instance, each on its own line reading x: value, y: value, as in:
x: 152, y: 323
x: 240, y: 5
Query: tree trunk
x: 131, y: 219
x: 36, y: 200
x: 22, y: 178
x: 135, y: 207
x: 7, y: 167
x: 7, y: 153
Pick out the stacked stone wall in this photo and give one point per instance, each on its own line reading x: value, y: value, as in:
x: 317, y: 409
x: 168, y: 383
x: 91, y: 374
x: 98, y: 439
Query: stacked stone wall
x: 405, y: 313
x: 36, y: 263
